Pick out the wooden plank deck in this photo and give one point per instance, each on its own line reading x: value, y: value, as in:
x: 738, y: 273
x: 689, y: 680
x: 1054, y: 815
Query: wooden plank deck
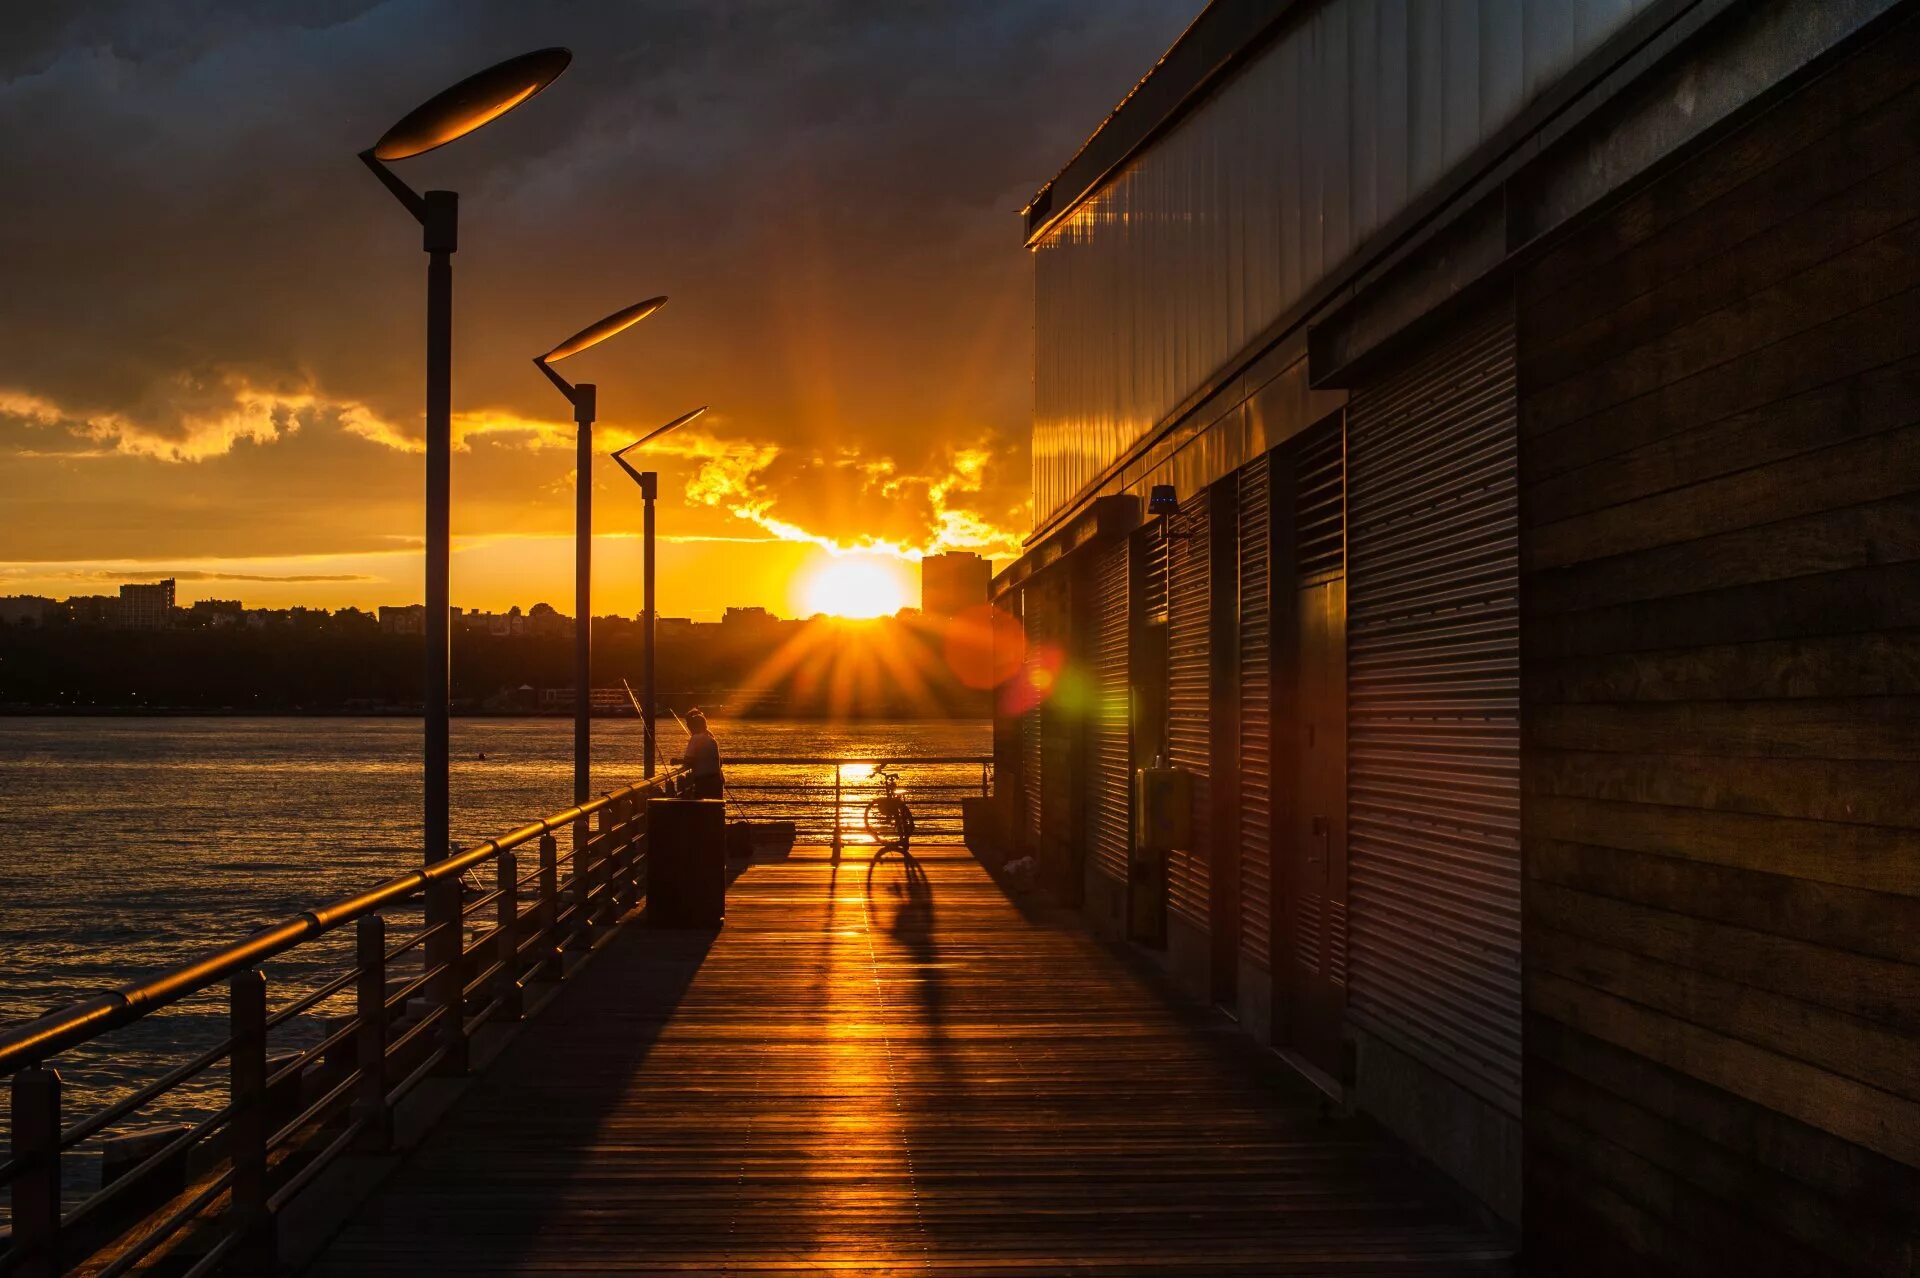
x: 893, y: 1069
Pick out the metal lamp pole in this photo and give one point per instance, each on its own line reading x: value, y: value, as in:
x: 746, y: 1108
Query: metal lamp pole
x: 649, y: 488
x: 451, y: 114
x: 584, y: 398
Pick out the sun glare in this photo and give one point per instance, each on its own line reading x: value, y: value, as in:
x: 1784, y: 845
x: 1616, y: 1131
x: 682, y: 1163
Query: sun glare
x: 854, y: 588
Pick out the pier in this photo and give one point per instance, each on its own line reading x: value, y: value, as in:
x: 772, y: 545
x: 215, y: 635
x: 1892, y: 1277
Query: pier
x: 879, y: 1064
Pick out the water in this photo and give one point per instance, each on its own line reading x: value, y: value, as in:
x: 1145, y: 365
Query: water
x: 130, y: 845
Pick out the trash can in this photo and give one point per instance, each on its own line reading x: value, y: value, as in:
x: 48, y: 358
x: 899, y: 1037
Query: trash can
x: 686, y: 863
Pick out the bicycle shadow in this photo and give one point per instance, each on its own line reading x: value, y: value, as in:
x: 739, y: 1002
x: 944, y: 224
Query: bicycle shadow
x: 910, y: 927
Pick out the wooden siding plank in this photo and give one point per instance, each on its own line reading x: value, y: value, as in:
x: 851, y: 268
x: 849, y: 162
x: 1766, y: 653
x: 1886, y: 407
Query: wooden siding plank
x: 1855, y: 728
x: 1878, y: 400
x: 1807, y: 1029
x: 1877, y: 597
x: 1882, y: 468
x: 1870, y: 188
x: 1755, y: 166
x: 1853, y: 1111
x: 1875, y: 664
x: 1875, y: 857
x: 1848, y: 920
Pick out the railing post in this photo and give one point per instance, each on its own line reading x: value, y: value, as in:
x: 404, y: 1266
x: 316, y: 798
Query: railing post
x: 506, y: 932
x: 551, y: 964
x: 370, y: 1035
x: 248, y: 1127
x: 636, y: 834
x: 582, y: 854
x: 448, y: 983
x: 605, y: 908
x: 35, y: 1147
x: 836, y: 812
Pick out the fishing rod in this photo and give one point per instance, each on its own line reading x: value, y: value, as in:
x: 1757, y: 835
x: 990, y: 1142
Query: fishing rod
x: 738, y: 807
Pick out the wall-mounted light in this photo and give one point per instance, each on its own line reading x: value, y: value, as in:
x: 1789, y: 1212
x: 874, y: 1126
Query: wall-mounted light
x: 1163, y: 500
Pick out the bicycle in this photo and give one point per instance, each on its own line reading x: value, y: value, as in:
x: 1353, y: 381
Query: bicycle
x: 888, y: 818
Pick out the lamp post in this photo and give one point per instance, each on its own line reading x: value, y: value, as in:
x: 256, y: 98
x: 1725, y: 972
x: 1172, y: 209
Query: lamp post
x: 584, y: 398
x: 451, y: 114
x: 649, y: 488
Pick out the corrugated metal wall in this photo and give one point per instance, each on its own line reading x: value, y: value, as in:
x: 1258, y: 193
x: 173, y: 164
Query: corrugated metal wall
x: 1256, y: 714
x: 1154, y: 283
x: 1110, y: 776
x: 1190, y: 701
x: 1433, y: 686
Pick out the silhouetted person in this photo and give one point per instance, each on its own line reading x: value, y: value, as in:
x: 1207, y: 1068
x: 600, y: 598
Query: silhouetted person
x: 703, y: 759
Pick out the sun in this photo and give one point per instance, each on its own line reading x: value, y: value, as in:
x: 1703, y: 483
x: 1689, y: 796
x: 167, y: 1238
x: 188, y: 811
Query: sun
x: 854, y: 587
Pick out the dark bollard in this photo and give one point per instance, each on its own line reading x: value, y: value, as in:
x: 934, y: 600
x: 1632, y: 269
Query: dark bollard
x: 686, y: 863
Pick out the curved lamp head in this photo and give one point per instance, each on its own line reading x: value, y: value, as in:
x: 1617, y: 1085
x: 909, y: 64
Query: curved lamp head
x: 476, y: 100
x: 658, y: 431
x: 596, y: 333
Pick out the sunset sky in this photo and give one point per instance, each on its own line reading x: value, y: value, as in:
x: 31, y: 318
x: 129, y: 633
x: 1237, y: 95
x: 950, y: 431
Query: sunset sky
x: 210, y: 336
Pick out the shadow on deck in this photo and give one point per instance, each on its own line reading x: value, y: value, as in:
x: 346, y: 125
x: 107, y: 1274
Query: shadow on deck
x: 890, y: 1068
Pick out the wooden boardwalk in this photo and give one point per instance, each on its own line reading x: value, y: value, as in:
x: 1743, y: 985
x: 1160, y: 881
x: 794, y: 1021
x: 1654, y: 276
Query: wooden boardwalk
x: 893, y: 1069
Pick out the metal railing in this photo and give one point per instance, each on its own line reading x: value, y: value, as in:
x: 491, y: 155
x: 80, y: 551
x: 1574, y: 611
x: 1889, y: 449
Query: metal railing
x: 826, y: 799
x: 202, y: 1195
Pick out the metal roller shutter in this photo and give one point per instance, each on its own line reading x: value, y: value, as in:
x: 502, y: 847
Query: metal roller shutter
x: 1109, y: 779
x: 1030, y: 741
x: 1256, y: 715
x: 1433, y: 686
x: 1320, y: 556
x: 1190, y: 702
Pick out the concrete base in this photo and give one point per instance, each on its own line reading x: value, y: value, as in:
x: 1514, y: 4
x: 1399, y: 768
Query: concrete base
x: 1256, y: 1003
x: 1469, y: 1139
x: 1105, y: 906
x: 1190, y: 959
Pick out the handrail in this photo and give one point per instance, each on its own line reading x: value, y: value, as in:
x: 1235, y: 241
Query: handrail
x: 33, y: 1042
x: 727, y: 760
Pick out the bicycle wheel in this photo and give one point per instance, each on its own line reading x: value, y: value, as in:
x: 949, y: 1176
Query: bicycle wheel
x: 878, y: 823
x: 903, y: 822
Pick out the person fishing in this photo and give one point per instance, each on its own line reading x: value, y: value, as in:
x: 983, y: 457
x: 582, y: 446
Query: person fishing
x: 703, y: 758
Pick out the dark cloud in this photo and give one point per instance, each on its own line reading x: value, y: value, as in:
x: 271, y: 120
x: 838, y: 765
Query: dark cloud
x: 826, y: 189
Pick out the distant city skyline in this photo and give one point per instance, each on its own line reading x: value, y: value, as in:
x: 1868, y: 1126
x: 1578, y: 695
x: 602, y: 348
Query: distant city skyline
x: 954, y: 580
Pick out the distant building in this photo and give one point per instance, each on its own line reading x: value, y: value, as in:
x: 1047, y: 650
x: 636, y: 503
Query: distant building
x: 747, y: 618
x: 408, y: 619
x: 146, y: 607
x: 26, y: 610
x: 216, y: 612
x: 953, y: 582
x: 92, y: 610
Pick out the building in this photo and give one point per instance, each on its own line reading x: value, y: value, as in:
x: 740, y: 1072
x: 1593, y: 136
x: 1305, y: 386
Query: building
x: 405, y: 619
x: 1530, y: 389
x: 147, y: 607
x: 27, y: 610
x: 953, y: 582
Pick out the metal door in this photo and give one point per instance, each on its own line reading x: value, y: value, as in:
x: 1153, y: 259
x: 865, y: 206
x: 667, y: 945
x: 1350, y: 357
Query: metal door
x: 1110, y: 776
x: 1434, y: 662
x: 1190, y: 703
x: 1316, y: 826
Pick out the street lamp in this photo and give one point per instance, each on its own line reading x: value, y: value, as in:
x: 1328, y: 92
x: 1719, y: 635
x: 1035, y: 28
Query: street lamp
x: 583, y: 398
x: 649, y: 488
x: 451, y: 114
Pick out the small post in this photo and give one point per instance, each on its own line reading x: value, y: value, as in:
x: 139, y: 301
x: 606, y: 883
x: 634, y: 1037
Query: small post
x: 506, y: 932
x: 248, y: 1128
x: 577, y: 938
x: 35, y: 1147
x: 550, y: 963
x: 836, y: 812
x: 449, y: 983
x: 605, y: 911
x: 370, y: 1035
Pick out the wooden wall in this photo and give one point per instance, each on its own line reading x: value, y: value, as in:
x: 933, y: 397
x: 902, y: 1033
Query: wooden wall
x: 1720, y: 416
